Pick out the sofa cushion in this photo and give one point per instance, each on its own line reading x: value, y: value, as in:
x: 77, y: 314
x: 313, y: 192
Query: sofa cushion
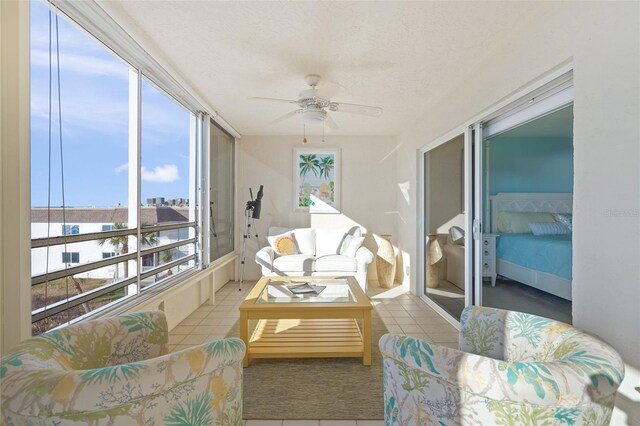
x: 328, y: 241
x: 336, y: 262
x: 294, y: 263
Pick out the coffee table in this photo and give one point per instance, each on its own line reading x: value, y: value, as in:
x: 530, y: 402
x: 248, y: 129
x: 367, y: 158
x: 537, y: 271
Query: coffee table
x: 307, y: 326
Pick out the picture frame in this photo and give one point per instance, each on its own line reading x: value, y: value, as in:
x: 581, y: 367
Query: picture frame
x: 316, y: 180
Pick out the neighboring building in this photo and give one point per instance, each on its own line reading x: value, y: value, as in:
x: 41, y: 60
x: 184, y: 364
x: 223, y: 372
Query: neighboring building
x: 83, y: 220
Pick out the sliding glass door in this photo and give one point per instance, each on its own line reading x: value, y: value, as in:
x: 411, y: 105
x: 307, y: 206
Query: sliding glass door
x: 446, y: 217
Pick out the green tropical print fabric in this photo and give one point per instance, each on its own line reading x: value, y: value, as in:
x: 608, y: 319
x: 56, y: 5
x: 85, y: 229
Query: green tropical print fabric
x: 116, y: 371
x: 512, y: 369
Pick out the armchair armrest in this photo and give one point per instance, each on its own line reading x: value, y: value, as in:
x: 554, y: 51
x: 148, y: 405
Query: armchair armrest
x: 264, y: 258
x: 363, y: 258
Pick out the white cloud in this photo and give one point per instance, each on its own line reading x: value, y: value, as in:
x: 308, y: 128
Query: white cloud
x: 167, y: 173
x: 81, y: 64
x: 121, y: 168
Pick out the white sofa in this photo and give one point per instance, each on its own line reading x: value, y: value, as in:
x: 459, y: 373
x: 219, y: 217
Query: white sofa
x: 319, y: 255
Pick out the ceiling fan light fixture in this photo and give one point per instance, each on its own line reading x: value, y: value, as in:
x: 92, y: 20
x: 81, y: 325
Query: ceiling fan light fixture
x: 313, y: 115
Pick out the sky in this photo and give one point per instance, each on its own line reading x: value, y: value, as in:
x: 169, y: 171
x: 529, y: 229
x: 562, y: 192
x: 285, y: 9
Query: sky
x: 94, y: 98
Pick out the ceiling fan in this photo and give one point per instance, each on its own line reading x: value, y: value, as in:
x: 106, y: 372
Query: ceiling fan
x: 315, y: 104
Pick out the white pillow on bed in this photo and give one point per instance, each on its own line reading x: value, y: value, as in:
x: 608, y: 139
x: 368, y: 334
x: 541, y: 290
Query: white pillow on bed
x: 546, y: 228
x: 518, y: 222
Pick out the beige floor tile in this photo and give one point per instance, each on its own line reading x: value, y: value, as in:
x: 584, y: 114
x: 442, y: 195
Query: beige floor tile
x: 182, y: 329
x: 229, y: 321
x: 219, y: 314
x: 175, y: 339
x: 430, y: 327
x: 400, y: 314
x: 210, y: 321
x: 206, y: 307
x: 203, y: 329
x: 444, y: 337
x: 221, y: 329
x: 194, y: 339
x: 402, y: 321
x: 191, y: 321
x: 395, y: 329
x: 199, y: 314
x: 216, y: 336
x: 301, y: 423
x: 389, y: 320
x: 263, y: 423
x: 412, y: 328
x: 370, y: 422
x: 394, y: 307
x: 338, y: 423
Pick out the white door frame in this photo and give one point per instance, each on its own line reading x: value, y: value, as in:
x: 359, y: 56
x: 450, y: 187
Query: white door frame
x: 421, y: 240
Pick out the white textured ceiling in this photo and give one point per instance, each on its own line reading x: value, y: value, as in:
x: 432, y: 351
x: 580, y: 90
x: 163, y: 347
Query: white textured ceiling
x: 397, y: 55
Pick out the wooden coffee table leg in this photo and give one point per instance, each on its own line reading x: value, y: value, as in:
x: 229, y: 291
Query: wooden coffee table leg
x: 244, y: 335
x: 366, y: 338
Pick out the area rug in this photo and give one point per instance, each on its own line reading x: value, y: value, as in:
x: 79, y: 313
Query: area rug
x: 315, y: 388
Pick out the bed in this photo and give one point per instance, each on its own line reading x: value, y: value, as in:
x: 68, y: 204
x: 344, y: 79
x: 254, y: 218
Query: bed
x: 543, y: 262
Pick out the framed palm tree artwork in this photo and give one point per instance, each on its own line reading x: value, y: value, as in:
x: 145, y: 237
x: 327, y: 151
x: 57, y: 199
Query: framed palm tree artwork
x: 316, y: 177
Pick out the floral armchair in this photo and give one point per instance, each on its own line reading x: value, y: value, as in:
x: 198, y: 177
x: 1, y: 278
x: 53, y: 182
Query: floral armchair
x: 512, y: 368
x: 115, y: 371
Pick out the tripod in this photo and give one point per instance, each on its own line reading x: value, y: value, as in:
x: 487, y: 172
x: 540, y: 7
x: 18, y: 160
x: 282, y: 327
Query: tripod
x: 248, y: 221
x: 212, y: 229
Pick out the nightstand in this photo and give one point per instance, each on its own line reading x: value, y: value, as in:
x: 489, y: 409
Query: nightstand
x: 489, y: 257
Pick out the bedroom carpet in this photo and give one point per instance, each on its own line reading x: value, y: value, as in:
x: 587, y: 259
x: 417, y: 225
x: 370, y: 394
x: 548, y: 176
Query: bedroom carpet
x: 316, y: 388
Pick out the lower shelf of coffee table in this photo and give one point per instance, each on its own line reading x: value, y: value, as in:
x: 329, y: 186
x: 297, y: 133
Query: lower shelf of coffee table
x: 306, y: 338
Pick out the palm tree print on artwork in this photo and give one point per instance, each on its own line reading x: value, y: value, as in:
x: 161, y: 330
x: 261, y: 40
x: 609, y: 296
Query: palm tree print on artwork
x: 308, y: 164
x: 317, y: 179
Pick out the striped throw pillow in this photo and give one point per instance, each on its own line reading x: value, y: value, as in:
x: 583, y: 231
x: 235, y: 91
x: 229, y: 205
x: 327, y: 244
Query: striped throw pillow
x: 548, y: 228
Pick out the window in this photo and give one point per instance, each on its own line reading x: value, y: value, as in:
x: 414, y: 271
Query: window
x: 70, y: 229
x: 95, y: 117
x: 143, y: 224
x: 73, y: 257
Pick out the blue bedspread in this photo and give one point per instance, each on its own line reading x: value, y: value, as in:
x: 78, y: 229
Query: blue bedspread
x: 549, y: 253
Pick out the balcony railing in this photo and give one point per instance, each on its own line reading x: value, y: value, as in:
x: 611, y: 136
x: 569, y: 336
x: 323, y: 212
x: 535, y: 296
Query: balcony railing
x: 71, y: 302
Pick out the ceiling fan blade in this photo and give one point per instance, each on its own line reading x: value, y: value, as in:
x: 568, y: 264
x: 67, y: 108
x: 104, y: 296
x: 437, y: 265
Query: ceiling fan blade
x: 273, y: 100
x: 371, y: 111
x: 330, y: 123
x: 284, y: 117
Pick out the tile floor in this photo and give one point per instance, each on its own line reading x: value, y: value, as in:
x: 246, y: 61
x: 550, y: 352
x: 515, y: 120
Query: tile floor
x: 401, y: 312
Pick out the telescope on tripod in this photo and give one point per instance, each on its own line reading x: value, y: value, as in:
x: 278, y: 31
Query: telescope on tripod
x: 251, y: 212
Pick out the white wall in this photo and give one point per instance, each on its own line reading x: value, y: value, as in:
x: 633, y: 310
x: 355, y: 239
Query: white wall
x: 367, y: 192
x: 445, y: 186
x: 15, y: 199
x: 602, y: 40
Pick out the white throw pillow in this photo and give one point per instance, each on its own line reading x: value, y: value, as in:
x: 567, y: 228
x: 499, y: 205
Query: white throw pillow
x: 283, y: 244
x: 518, y: 222
x: 305, y: 238
x: 350, y: 245
x: 328, y: 241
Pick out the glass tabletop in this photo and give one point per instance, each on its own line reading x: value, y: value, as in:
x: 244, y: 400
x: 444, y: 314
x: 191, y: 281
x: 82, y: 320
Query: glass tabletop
x: 307, y: 291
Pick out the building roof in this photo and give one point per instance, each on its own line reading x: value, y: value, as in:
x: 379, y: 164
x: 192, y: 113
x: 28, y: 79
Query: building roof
x: 149, y: 215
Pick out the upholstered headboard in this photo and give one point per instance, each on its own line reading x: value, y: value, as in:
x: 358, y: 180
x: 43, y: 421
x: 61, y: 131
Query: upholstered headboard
x: 557, y: 202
